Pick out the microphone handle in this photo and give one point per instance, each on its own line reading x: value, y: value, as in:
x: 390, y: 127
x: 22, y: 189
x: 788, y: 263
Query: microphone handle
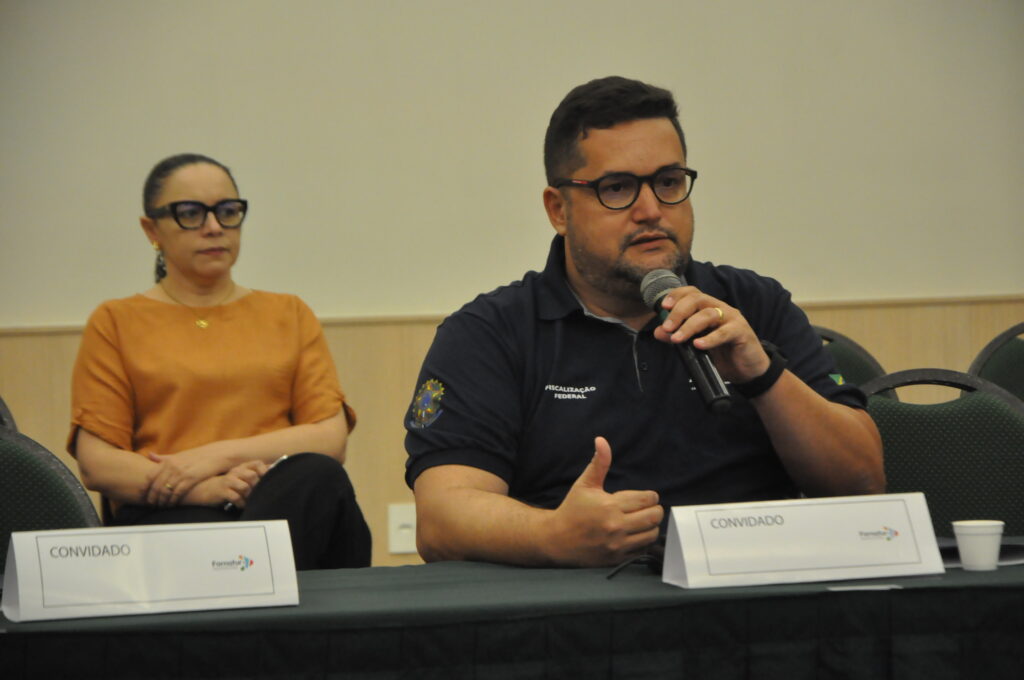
x: 704, y: 374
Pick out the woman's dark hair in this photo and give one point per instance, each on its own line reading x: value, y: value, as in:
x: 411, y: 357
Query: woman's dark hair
x: 601, y: 104
x: 155, y: 184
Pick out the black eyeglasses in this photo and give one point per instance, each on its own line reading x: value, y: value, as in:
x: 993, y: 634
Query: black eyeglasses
x: 229, y: 213
x: 619, y: 190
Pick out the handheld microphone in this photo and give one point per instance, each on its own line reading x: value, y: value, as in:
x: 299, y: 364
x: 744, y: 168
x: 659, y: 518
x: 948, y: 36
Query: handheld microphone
x: 653, y: 288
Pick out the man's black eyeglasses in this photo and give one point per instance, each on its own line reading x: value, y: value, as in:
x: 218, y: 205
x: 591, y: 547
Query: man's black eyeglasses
x: 229, y: 213
x: 619, y: 190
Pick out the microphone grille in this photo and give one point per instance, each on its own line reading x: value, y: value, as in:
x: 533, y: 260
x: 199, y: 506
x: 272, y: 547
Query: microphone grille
x: 656, y: 284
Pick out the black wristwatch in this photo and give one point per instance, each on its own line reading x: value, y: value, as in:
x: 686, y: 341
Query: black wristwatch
x: 763, y: 383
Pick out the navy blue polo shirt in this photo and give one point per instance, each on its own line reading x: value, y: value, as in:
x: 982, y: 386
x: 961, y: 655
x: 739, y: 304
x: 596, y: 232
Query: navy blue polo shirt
x: 520, y: 380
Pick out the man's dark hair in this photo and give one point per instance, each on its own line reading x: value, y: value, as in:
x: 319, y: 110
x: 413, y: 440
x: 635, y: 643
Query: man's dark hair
x: 601, y: 104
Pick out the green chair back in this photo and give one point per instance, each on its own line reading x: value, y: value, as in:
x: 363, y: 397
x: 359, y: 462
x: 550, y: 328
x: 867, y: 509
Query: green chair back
x: 966, y: 455
x: 855, y: 363
x: 6, y: 419
x: 37, y: 491
x: 1001, y: 361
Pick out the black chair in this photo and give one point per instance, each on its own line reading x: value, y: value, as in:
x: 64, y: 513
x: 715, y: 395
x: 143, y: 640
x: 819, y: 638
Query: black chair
x: 854, y: 362
x: 1002, y: 361
x: 37, y: 491
x: 966, y: 454
x: 6, y: 419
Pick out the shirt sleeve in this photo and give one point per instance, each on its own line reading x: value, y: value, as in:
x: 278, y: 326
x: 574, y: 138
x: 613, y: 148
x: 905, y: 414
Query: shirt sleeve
x: 316, y: 393
x: 467, y: 408
x: 812, y: 363
x: 775, y: 317
x: 102, y: 400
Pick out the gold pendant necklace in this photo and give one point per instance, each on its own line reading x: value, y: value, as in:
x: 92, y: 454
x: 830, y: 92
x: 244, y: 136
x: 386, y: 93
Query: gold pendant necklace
x: 201, y: 323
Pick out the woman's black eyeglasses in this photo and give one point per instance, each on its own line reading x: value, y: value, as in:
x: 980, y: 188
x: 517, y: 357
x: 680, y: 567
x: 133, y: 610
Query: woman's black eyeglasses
x: 229, y: 213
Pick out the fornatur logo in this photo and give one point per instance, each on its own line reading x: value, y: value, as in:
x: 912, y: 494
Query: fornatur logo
x: 886, y: 533
x: 241, y: 563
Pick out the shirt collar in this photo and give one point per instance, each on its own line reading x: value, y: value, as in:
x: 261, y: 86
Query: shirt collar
x: 557, y: 300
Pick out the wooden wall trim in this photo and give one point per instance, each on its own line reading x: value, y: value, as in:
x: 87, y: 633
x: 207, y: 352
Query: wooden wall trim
x: 913, y: 302
x: 416, y: 319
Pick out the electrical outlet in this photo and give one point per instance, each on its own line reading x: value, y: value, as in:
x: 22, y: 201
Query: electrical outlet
x: 402, y: 528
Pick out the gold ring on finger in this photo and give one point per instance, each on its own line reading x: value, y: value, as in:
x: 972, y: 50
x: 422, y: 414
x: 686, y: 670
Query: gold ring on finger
x: 721, y: 314
x: 168, y: 487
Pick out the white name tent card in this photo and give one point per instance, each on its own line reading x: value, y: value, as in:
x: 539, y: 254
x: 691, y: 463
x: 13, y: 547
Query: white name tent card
x: 793, y: 541
x: 74, y: 573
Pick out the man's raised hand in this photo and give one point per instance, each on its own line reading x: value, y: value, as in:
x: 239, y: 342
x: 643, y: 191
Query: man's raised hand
x: 595, y: 528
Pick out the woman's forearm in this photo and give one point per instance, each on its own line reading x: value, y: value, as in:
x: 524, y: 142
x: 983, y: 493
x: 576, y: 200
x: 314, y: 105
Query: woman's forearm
x: 118, y: 474
x: 328, y: 437
x: 128, y: 477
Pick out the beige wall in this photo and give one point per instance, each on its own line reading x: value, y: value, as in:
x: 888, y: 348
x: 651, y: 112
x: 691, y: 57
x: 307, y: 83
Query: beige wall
x: 378, y: 361
x: 391, y: 151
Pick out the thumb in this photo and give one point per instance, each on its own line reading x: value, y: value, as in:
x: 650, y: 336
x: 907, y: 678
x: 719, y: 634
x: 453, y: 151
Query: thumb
x: 155, y: 457
x: 593, y: 475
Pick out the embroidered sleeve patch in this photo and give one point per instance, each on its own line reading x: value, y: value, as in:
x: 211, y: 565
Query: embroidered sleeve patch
x: 426, y: 405
x: 838, y: 379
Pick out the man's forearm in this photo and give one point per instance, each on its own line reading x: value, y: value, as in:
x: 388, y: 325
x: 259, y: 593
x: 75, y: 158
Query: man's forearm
x: 464, y: 513
x: 827, y: 448
x: 471, y: 524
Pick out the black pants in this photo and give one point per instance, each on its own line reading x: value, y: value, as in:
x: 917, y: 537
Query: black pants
x: 310, y: 490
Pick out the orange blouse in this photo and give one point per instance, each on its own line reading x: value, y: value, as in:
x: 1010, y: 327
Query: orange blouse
x: 148, y: 379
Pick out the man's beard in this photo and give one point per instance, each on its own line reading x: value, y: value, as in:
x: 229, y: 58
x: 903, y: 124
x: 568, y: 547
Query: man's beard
x: 619, y: 278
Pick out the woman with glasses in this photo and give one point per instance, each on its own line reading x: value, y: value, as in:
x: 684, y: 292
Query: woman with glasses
x: 186, y: 395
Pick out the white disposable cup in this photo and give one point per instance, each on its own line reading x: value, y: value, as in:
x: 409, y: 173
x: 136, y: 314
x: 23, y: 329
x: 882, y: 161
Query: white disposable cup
x: 977, y: 540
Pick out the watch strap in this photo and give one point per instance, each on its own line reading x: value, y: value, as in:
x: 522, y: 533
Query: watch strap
x: 763, y: 383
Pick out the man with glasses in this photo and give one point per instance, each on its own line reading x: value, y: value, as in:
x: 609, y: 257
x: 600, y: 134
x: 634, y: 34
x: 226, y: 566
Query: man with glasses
x: 554, y: 420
